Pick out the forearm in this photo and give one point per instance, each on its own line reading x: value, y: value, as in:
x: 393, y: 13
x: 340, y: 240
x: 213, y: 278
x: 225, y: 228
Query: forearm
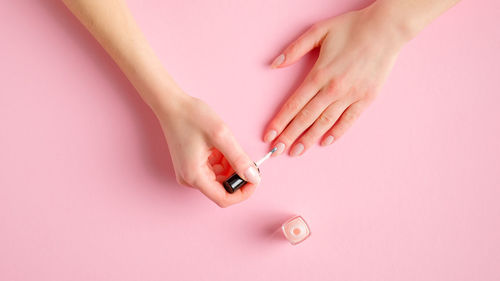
x: 112, y: 24
x: 408, y: 17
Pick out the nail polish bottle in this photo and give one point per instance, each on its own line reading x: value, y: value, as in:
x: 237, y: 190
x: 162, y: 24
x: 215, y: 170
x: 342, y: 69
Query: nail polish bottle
x: 296, y: 230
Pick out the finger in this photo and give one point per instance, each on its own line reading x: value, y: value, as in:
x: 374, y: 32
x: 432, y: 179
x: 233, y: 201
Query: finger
x: 322, y: 124
x: 216, y: 192
x: 218, y: 169
x: 309, y: 40
x: 214, y: 157
x: 305, y: 118
x: 345, y: 122
x: 225, y: 142
x: 221, y: 178
x: 224, y: 163
x: 227, y: 167
x: 306, y: 91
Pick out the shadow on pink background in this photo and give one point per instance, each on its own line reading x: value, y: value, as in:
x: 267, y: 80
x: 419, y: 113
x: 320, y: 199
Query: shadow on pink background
x: 87, y: 190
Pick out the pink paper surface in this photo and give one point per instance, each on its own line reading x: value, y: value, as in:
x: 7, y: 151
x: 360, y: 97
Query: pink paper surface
x: 87, y: 192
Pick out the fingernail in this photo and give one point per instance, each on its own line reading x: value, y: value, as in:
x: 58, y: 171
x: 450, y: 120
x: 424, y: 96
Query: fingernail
x: 278, y: 61
x: 280, y: 148
x: 270, y: 136
x: 328, y: 140
x: 297, y: 149
x: 252, y: 176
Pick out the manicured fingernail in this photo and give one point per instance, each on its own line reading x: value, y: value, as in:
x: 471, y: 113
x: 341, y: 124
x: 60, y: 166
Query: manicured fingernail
x: 280, y: 148
x: 328, y: 140
x: 270, y: 136
x: 297, y: 149
x: 251, y: 175
x: 278, y: 61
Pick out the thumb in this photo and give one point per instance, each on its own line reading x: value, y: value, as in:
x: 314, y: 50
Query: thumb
x: 225, y: 142
x: 311, y: 39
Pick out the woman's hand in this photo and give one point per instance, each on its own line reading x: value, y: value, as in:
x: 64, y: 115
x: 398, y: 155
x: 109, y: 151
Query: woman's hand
x: 358, y: 50
x: 204, y: 152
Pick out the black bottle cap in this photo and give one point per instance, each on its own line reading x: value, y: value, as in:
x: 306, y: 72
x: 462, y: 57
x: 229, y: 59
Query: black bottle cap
x: 234, y: 182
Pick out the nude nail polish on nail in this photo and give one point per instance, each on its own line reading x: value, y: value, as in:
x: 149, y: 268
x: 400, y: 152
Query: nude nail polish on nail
x: 270, y: 136
x: 278, y: 61
x: 296, y: 230
x: 280, y: 148
x: 328, y: 140
x: 252, y: 175
x: 297, y: 149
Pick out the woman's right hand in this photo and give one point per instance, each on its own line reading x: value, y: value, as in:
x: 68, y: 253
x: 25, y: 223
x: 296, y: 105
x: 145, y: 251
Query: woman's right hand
x: 204, y: 152
x: 202, y: 148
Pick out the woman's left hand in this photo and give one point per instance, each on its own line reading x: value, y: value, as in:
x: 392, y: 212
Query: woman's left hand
x: 358, y: 50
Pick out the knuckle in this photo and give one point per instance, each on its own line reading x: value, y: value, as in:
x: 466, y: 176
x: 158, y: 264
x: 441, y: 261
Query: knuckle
x: 220, y: 132
x: 332, y: 89
x: 292, y: 106
x: 340, y: 84
x: 305, y: 114
x: 187, y: 177
x: 356, y: 93
x: 325, y: 119
x: 336, y: 88
x: 180, y: 180
x: 350, y: 116
x: 319, y: 76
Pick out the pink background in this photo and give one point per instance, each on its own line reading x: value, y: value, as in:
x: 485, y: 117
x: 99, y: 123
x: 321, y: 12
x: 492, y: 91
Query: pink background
x: 412, y: 192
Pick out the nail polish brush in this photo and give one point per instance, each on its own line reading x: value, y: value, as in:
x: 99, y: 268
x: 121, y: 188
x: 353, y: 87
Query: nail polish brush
x: 234, y: 182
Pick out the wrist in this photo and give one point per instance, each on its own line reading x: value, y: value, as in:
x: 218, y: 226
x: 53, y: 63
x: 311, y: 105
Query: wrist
x: 397, y: 27
x: 158, y: 90
x: 166, y: 100
x: 147, y: 74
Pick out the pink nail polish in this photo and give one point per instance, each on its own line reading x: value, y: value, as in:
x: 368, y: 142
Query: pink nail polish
x: 252, y: 175
x: 270, y: 136
x: 297, y: 149
x: 278, y: 61
x: 328, y: 140
x: 280, y: 148
x: 296, y: 230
